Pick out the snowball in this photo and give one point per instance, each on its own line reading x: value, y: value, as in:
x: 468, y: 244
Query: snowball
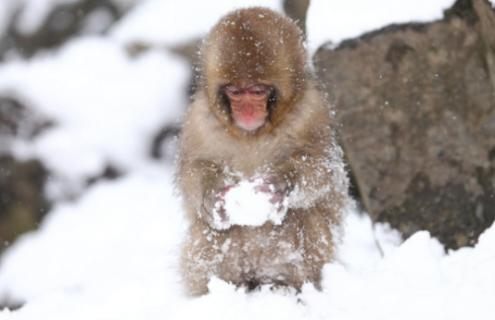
x: 246, y: 205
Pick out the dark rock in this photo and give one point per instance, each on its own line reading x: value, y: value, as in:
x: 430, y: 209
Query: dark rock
x: 22, y: 201
x: 109, y: 173
x: 297, y: 10
x: 7, y: 303
x: 164, y: 141
x: 16, y: 120
x: 417, y: 108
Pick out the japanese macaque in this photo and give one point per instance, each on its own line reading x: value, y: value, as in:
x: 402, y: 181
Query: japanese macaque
x: 259, y: 116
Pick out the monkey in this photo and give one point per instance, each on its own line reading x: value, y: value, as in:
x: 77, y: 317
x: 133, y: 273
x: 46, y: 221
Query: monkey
x: 259, y: 113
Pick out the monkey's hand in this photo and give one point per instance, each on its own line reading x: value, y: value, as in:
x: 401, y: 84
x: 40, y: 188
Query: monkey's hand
x: 278, y: 187
x: 213, y: 207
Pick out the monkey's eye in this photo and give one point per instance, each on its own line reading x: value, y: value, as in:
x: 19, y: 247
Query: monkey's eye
x: 232, y: 91
x: 259, y: 90
x: 256, y: 91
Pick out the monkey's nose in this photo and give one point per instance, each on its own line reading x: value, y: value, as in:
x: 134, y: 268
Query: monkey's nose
x: 247, y: 109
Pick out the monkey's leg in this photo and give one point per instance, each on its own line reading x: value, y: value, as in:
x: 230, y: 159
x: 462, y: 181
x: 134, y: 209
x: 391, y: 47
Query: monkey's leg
x: 318, y: 243
x: 199, y: 260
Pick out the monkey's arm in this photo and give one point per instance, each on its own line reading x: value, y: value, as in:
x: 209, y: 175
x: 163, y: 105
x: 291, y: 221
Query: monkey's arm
x: 203, y: 184
x: 309, y: 176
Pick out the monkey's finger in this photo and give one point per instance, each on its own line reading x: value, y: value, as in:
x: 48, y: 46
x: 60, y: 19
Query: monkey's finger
x: 277, y: 198
x: 263, y: 188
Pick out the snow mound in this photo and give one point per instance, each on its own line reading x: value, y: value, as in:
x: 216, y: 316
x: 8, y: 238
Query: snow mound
x: 129, y: 228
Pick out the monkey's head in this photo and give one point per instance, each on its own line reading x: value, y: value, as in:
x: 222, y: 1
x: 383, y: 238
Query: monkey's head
x: 254, y: 69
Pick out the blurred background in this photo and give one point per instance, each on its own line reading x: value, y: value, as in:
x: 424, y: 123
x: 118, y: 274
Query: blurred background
x: 92, y: 91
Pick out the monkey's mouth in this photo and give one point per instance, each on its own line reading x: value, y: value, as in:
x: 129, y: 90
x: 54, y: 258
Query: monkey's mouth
x: 249, y: 123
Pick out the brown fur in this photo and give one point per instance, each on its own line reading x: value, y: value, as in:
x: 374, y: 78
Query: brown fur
x: 297, y: 145
x: 255, y: 45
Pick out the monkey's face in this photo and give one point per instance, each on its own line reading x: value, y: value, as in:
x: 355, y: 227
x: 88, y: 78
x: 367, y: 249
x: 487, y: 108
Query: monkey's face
x: 254, y: 69
x: 249, y: 106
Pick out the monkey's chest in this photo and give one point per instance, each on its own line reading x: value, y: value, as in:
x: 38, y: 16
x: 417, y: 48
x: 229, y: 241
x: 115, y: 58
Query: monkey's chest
x: 251, y: 160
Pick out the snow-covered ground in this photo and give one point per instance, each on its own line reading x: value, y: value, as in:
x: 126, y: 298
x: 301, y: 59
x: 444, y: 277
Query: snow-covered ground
x: 112, y: 253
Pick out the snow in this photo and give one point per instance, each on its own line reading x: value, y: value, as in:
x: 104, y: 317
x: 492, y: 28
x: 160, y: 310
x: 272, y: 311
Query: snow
x: 113, y: 252
x: 247, y: 205
x: 174, y: 22
x: 6, y: 10
x: 94, y: 92
x: 113, y: 255
x: 35, y: 12
x: 339, y: 20
x: 107, y: 229
x: 417, y: 280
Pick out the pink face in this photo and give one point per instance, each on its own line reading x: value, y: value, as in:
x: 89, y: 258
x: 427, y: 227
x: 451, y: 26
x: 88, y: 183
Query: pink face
x: 249, y: 105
